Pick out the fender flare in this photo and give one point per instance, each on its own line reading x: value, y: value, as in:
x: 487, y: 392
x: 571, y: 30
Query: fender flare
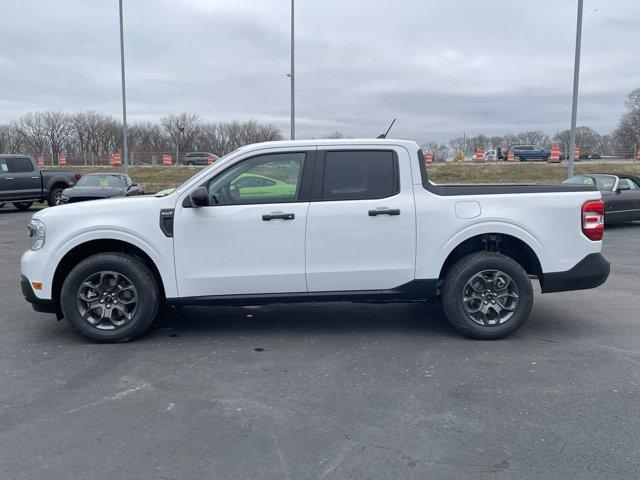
x: 499, y: 227
x: 168, y: 279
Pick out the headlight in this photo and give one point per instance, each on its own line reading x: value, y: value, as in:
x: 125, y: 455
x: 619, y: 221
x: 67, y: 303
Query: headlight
x: 37, y: 234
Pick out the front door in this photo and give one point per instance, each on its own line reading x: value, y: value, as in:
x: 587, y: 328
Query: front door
x: 361, y: 223
x: 250, y: 240
x: 26, y: 180
x: 19, y: 180
x: 629, y: 204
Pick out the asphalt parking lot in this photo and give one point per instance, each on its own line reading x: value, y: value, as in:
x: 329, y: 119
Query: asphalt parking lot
x: 326, y: 391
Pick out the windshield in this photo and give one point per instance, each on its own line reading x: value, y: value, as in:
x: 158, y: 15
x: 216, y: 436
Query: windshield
x: 101, y: 181
x: 602, y: 182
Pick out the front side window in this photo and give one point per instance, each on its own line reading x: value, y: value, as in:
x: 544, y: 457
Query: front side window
x: 271, y: 178
x: 20, y: 165
x: 632, y: 185
x: 359, y: 175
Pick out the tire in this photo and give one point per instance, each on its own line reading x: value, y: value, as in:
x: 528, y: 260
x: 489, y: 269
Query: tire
x: 190, y: 164
x: 456, y: 286
x: 22, y: 205
x: 105, y: 267
x: 519, y: 159
x: 54, y: 194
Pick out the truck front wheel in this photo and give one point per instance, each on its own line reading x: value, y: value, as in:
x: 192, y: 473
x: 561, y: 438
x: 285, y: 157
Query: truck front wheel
x: 22, y: 205
x: 487, y: 295
x: 110, y: 297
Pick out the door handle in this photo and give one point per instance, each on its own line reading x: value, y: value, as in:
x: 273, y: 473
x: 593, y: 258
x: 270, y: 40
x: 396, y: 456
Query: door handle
x: 276, y: 216
x: 386, y: 211
x: 8, y: 178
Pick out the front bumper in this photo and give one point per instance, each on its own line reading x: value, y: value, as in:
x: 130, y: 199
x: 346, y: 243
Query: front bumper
x: 590, y: 272
x: 38, y: 304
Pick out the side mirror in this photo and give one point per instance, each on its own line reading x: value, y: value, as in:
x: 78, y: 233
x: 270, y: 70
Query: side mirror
x: 623, y: 186
x: 197, y: 198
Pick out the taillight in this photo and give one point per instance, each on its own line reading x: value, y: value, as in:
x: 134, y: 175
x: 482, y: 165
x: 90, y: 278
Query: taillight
x: 593, y: 219
x: 78, y: 176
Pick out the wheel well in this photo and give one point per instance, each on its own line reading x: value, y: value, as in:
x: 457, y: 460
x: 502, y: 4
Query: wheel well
x: 87, y: 249
x: 58, y: 184
x: 496, y: 242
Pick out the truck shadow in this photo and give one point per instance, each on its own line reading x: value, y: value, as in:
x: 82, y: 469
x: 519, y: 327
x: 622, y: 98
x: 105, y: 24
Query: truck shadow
x: 329, y: 318
x: 9, y: 209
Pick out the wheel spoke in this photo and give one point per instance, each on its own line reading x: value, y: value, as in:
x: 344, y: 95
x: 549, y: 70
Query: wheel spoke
x: 490, y: 298
x: 477, y: 283
x: 107, y: 300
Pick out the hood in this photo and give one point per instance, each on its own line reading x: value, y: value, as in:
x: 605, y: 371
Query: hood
x: 120, y: 206
x: 100, y: 192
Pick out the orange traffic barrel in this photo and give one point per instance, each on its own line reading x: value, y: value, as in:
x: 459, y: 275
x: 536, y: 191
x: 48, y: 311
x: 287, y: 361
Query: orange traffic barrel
x: 209, y: 159
x: 510, y: 156
x: 479, y: 155
x: 166, y: 160
x: 115, y: 160
x: 428, y: 158
x: 40, y: 161
x: 554, y: 157
x: 576, y: 154
x: 62, y: 160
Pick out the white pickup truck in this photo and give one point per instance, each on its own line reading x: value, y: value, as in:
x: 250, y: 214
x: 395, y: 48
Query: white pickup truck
x: 321, y: 220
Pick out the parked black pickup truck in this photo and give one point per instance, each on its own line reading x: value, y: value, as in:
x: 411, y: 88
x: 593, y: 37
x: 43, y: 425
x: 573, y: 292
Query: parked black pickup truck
x: 22, y: 183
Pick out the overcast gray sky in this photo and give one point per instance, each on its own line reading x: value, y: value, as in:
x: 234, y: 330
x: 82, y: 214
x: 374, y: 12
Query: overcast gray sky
x: 441, y: 67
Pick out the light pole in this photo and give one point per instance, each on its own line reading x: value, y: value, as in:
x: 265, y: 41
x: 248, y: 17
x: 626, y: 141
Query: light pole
x: 574, y: 106
x: 180, y: 130
x: 124, y: 97
x: 292, y: 74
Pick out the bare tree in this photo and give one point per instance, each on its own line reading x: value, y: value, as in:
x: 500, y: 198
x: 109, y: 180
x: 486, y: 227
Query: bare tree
x: 183, y: 130
x: 627, y: 134
x: 10, y: 139
x: 534, y: 137
x: 31, y: 129
x: 605, y: 145
x: 587, y: 139
x: 440, y: 151
x: 335, y: 135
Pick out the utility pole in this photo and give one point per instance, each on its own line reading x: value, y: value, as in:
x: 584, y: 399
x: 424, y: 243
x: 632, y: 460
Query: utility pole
x: 180, y: 127
x: 124, y: 97
x: 293, y: 73
x: 574, y: 106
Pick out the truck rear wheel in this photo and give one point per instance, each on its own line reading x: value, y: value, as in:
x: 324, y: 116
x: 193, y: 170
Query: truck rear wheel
x: 54, y: 196
x: 487, y: 295
x: 110, y: 297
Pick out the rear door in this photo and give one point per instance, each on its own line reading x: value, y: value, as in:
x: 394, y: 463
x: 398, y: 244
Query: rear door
x: 631, y: 199
x: 361, y: 220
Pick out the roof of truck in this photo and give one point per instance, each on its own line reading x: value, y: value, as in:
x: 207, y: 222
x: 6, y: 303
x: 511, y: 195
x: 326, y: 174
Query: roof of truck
x: 331, y: 142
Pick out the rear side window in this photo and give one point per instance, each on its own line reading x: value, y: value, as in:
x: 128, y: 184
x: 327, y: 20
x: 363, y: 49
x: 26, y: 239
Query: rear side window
x: 20, y: 165
x: 4, y: 168
x: 359, y: 175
